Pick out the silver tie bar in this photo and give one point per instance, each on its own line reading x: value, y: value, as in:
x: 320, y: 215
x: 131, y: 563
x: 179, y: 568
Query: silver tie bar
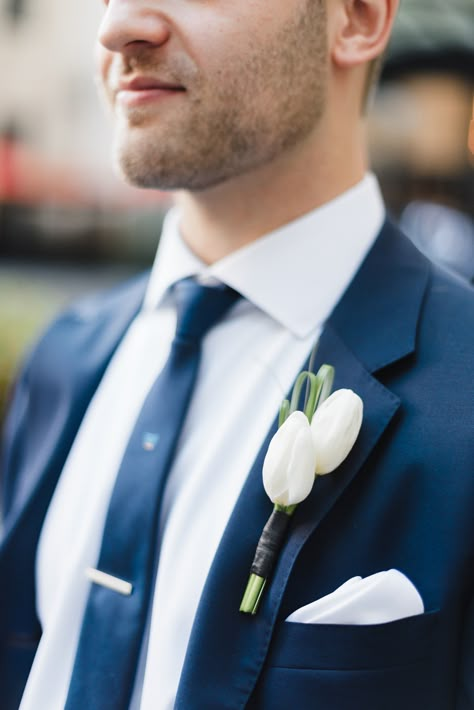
x: 108, y: 581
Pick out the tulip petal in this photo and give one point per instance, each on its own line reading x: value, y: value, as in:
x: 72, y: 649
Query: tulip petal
x: 288, y: 469
x: 335, y: 427
x: 301, y: 468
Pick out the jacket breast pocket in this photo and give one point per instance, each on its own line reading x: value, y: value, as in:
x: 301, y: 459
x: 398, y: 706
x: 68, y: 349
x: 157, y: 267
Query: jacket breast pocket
x: 338, y: 667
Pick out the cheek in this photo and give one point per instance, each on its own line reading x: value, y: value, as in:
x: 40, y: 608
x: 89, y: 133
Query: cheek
x: 217, y: 40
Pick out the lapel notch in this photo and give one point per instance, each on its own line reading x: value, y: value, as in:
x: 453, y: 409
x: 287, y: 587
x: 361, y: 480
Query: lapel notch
x: 378, y: 315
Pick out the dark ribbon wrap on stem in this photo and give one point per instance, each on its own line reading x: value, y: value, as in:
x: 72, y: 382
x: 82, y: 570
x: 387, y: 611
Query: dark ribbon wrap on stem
x: 270, y: 543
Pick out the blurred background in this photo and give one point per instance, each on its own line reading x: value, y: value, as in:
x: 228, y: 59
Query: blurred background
x: 68, y: 225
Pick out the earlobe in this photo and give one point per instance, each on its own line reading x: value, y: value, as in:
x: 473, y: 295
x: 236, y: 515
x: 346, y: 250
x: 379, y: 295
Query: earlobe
x: 362, y: 31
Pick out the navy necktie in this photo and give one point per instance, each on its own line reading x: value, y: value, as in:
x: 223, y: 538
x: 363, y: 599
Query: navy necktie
x: 117, y: 607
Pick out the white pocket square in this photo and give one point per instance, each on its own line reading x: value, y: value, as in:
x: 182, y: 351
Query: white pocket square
x: 378, y: 599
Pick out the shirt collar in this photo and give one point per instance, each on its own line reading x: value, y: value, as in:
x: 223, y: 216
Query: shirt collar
x: 297, y: 273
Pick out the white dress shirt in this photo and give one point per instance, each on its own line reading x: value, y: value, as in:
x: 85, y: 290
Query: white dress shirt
x: 291, y: 280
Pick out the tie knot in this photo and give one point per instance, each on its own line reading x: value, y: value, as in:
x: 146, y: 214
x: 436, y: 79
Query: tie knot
x: 200, y: 307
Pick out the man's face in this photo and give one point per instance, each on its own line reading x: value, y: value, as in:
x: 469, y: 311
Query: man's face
x: 206, y: 90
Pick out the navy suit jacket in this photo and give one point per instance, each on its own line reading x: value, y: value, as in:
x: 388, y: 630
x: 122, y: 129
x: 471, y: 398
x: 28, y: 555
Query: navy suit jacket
x: 402, y: 337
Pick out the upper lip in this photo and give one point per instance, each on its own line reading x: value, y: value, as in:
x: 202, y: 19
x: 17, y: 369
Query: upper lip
x: 142, y: 83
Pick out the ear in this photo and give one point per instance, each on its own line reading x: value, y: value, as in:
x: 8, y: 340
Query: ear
x: 361, y: 30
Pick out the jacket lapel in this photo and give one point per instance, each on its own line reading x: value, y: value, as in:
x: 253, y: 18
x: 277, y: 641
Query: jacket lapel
x: 372, y: 327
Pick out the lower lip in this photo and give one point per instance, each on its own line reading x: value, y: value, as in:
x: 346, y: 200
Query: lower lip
x: 145, y: 96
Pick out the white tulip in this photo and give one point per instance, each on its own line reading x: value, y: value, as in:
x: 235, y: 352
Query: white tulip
x: 335, y: 427
x: 288, y: 469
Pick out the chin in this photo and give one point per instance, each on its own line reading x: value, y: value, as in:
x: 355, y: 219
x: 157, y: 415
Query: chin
x: 165, y: 170
x: 147, y: 159
x: 136, y: 162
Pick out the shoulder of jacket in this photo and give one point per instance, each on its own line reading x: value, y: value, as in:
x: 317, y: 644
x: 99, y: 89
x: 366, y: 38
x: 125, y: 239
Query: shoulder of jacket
x: 100, y: 314
x: 126, y: 296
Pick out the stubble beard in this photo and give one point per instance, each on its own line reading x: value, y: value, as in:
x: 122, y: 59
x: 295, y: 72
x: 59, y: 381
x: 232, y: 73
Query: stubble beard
x: 255, y: 109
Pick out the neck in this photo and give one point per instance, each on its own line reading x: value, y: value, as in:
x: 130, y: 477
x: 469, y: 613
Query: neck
x: 218, y: 221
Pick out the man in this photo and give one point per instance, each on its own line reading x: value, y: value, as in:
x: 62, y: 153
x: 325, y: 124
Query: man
x: 253, y: 113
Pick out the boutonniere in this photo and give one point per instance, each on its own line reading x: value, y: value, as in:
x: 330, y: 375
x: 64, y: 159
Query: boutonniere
x: 309, y: 443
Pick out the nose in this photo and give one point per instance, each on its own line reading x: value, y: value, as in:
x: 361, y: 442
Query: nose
x: 127, y: 22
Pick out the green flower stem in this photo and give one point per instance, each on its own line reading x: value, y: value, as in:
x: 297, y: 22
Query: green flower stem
x: 284, y: 412
x: 318, y: 388
x: 288, y: 509
x: 252, y: 594
x: 326, y: 375
x: 304, y: 378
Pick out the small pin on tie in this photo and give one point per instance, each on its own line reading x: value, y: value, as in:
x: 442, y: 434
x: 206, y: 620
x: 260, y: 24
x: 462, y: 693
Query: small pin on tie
x: 150, y: 440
